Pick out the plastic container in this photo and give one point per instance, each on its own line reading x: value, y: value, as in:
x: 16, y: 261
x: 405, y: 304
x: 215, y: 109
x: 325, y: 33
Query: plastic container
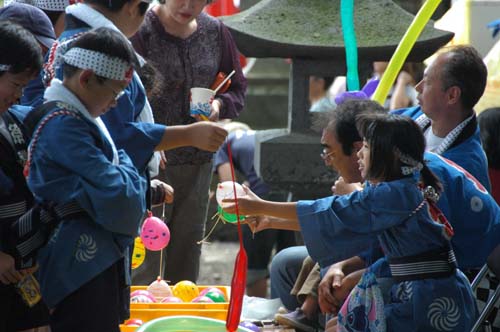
x: 150, y: 311
x: 185, y: 324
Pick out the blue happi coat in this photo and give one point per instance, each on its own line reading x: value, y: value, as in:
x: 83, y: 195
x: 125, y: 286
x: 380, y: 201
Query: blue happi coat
x: 137, y: 137
x: 344, y: 224
x: 467, y: 150
x: 73, y: 160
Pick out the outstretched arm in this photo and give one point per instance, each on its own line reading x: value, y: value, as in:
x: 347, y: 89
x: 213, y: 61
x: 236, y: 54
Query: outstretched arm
x: 202, y: 135
x: 253, y: 205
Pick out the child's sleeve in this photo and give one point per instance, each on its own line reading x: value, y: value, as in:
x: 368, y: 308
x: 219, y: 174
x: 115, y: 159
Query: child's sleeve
x: 69, y: 166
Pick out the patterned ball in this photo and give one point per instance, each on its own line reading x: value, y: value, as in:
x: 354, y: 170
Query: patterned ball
x: 186, y: 290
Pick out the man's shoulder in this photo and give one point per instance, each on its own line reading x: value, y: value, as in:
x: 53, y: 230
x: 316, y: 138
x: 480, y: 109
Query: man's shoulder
x: 412, y: 112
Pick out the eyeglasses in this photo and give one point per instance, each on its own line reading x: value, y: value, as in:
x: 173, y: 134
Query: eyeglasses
x: 325, y: 155
x: 117, y: 95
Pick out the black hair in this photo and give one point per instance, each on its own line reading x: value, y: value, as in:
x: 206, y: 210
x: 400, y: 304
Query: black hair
x: 149, y: 78
x: 117, y: 5
x: 19, y: 49
x: 388, y: 135
x: 53, y: 15
x: 208, y: 1
x: 106, y: 41
x: 465, y: 68
x: 342, y: 121
x: 489, y: 125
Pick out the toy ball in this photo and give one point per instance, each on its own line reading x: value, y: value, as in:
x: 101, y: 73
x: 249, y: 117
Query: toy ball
x: 171, y: 299
x: 225, y: 190
x: 142, y: 292
x: 186, y: 290
x: 217, y: 297
x: 134, y: 322
x: 202, y: 299
x: 160, y: 288
x: 228, y: 217
x: 141, y: 299
x: 139, y: 253
x: 210, y: 289
x: 154, y: 233
x: 249, y: 325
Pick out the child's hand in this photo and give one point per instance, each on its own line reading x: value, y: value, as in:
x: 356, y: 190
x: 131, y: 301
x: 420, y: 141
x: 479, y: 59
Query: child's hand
x: 248, y: 204
x: 343, y: 188
x: 8, y: 272
x: 331, y: 325
x: 207, y: 136
x: 167, y: 192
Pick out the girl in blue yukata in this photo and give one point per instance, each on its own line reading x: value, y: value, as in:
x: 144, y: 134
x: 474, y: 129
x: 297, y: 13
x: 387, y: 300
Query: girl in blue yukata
x: 397, y: 205
x: 84, y: 267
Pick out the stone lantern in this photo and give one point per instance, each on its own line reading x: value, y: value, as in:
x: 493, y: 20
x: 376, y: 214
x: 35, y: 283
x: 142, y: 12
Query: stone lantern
x: 309, y: 33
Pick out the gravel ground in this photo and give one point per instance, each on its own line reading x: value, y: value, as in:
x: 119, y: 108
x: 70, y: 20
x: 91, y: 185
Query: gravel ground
x: 217, y: 263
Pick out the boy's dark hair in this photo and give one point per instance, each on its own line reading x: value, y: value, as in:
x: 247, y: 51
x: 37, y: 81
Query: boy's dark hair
x: 342, y: 121
x: 208, y: 1
x: 116, y: 5
x: 386, y: 134
x: 106, y: 41
x: 465, y: 68
x: 53, y: 15
x: 149, y: 78
x: 19, y: 49
x: 489, y: 125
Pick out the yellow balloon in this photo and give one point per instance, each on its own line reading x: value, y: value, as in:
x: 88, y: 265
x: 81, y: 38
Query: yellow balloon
x: 139, y: 253
x: 404, y: 48
x: 186, y: 290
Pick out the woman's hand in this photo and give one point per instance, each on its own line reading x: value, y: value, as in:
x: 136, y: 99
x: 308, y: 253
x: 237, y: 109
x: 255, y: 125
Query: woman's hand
x: 215, y: 111
x: 8, y: 272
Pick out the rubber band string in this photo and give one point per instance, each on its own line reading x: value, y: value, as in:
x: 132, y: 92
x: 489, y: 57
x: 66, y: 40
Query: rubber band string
x: 238, y: 282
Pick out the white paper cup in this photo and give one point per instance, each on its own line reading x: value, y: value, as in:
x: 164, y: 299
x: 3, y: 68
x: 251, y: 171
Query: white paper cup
x: 201, y: 101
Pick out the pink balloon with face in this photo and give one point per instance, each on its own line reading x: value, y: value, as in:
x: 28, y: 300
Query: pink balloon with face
x: 154, y: 233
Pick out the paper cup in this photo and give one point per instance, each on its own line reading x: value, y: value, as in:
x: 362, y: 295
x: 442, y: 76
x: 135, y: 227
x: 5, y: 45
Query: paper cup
x: 201, y: 101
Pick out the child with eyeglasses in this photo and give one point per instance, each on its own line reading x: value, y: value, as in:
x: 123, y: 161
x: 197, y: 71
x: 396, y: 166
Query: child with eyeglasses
x: 84, y: 267
x: 20, y: 60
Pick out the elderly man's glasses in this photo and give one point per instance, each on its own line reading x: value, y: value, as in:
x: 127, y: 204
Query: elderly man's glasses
x: 325, y: 155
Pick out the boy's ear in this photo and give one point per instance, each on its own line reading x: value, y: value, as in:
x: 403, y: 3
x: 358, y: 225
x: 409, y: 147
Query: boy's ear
x: 85, y: 76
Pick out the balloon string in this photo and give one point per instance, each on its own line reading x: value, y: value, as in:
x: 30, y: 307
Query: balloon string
x: 230, y: 155
x: 161, y: 251
x: 204, y: 240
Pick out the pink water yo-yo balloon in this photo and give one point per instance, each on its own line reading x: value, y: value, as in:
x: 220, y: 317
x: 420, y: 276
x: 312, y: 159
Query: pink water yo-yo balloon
x: 154, y: 233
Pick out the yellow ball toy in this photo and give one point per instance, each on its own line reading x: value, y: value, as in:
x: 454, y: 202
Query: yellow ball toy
x: 139, y: 253
x: 186, y: 290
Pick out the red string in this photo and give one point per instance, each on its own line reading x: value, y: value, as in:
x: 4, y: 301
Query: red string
x: 240, y: 234
x: 238, y: 282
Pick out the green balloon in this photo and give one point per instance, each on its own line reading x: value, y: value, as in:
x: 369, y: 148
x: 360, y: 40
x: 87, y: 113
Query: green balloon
x: 228, y: 217
x: 216, y: 297
x: 186, y: 324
